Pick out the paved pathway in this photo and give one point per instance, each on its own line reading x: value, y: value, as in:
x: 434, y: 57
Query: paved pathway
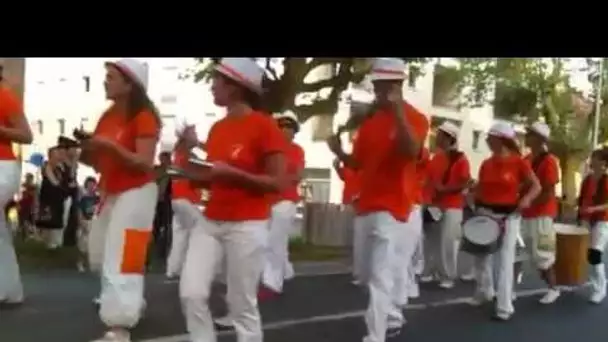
x: 315, y: 308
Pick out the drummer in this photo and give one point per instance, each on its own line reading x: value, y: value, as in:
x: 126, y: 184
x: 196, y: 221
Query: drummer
x: 537, y: 222
x: 449, y: 176
x: 593, y: 211
x: 497, y: 193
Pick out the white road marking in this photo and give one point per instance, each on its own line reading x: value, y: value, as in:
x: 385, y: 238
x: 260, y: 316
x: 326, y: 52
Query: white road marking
x: 360, y: 313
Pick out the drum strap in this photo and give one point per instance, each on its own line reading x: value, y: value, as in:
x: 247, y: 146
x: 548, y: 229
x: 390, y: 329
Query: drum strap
x: 453, y: 158
x: 599, y: 197
x: 538, y: 160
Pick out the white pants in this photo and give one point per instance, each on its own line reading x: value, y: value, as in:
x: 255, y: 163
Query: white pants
x: 359, y: 265
x: 410, y: 283
x: 185, y: 215
x: 484, y: 274
x: 388, y: 250
x: 118, y: 244
x: 539, y: 237
x: 243, y: 246
x: 599, y: 240
x: 11, y: 289
x: 443, y: 245
x: 277, y: 252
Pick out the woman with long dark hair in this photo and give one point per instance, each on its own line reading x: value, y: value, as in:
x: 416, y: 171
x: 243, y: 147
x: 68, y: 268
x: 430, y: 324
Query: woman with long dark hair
x: 246, y: 149
x: 122, y: 150
x: 14, y: 128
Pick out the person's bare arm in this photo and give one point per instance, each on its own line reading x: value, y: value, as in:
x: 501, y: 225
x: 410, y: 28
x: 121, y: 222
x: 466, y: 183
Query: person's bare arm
x: 274, y: 179
x: 19, y: 130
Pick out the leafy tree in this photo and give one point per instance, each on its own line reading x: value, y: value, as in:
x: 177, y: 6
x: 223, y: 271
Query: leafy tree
x: 288, y: 85
x: 526, y: 89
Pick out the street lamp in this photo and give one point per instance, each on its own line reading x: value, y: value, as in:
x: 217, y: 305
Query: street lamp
x: 598, y: 103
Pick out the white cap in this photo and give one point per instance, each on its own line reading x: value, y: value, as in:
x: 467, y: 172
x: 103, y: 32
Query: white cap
x: 181, y: 125
x: 502, y: 129
x: 541, y: 129
x: 288, y: 115
x: 388, y: 69
x: 449, y: 129
x: 137, y: 71
x: 245, y: 71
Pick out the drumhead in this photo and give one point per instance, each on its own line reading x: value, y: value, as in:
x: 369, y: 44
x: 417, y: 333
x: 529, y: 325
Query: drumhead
x: 569, y: 229
x: 481, y: 230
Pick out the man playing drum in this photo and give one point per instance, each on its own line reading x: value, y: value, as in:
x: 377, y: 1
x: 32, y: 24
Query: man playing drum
x: 497, y: 196
x: 537, y: 222
x: 593, y: 212
x: 385, y: 154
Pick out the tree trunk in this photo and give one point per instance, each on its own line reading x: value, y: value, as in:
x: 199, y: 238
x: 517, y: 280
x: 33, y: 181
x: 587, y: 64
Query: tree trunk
x: 570, y: 179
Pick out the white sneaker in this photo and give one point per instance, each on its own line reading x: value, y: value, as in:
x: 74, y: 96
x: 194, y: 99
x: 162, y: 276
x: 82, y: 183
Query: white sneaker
x: 224, y: 321
x: 414, y: 291
x: 446, y: 284
x: 97, y: 300
x: 356, y: 282
x: 427, y: 279
x: 479, y: 299
x: 550, y: 297
x: 468, y: 276
x: 115, y: 336
x: 597, y: 297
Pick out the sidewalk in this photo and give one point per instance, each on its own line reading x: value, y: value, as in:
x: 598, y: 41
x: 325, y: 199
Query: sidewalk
x: 318, y: 268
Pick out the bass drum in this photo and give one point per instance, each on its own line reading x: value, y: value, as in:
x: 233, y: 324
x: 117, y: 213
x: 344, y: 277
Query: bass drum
x: 482, y: 235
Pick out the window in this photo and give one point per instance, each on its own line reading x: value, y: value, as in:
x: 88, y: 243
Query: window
x: 40, y: 126
x: 476, y: 139
x: 61, y: 126
x: 322, y: 127
x: 87, y: 83
x: 414, y: 73
x: 83, y: 122
x: 168, y: 99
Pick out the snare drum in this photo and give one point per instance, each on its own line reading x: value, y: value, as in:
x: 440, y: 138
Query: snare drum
x: 482, y: 235
x: 571, y: 254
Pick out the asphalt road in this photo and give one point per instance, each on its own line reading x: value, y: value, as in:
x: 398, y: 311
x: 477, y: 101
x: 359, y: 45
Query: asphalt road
x: 314, y: 308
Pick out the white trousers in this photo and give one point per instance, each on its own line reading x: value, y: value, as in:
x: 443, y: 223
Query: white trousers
x: 185, y: 216
x: 443, y: 245
x: 359, y: 265
x: 505, y: 257
x: 599, y: 241
x: 243, y: 246
x: 277, y: 251
x: 539, y: 237
x: 11, y: 289
x: 410, y: 283
x: 388, y: 249
x: 118, y: 244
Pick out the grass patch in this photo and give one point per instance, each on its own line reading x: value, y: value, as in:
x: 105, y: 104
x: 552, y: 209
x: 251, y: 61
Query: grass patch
x: 299, y: 250
x: 34, y: 254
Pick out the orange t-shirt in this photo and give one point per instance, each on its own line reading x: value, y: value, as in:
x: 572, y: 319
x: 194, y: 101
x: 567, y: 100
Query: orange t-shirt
x: 351, y: 186
x: 182, y: 188
x: 116, y: 176
x: 420, y: 195
x: 383, y: 170
x: 242, y: 142
x: 500, y: 179
x: 9, y: 106
x: 295, y: 161
x: 460, y: 173
x: 548, y: 175
x: 588, y: 189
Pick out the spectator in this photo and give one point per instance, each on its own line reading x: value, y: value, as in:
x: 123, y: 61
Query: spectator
x: 86, y: 204
x: 70, y: 210
x: 27, y: 203
x: 51, y: 199
x: 164, y: 212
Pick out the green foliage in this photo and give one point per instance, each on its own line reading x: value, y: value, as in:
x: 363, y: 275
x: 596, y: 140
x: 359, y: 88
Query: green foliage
x: 526, y: 89
x: 287, y: 81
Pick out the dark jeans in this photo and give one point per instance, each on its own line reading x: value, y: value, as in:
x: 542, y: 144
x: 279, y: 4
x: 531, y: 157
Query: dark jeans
x: 161, y: 233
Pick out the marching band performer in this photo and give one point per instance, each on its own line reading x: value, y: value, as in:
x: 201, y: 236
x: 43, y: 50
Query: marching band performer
x: 246, y: 149
x: 122, y: 150
x: 593, y: 212
x: 449, y: 177
x: 14, y: 128
x: 537, y: 220
x: 497, y: 192
x: 385, y: 153
x: 185, y: 198
x: 283, y: 214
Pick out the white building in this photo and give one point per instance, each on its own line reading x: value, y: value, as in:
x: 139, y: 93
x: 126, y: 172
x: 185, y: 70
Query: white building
x: 64, y: 93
